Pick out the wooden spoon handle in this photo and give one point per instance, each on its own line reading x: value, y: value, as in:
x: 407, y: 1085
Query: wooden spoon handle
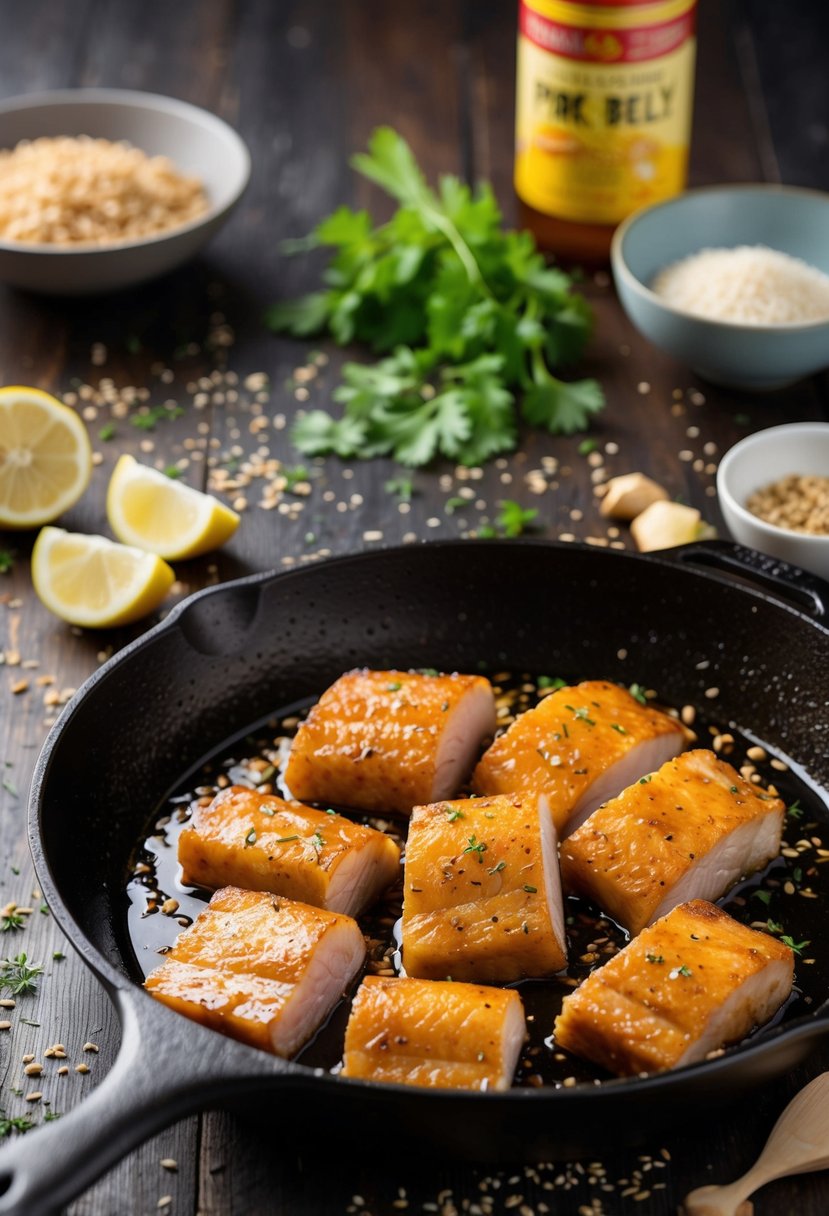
x: 799, y: 1143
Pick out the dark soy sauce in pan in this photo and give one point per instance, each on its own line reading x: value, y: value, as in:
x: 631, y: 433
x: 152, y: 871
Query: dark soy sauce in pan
x: 789, y: 898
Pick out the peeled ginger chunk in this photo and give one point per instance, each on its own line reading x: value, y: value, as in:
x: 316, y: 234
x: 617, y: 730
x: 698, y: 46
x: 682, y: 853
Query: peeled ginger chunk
x: 628, y: 496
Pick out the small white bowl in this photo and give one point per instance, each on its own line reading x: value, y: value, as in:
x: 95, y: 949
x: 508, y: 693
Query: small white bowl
x: 759, y: 460
x: 197, y: 142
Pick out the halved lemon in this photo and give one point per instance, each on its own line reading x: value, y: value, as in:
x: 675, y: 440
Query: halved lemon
x: 95, y: 582
x: 45, y: 457
x: 148, y: 509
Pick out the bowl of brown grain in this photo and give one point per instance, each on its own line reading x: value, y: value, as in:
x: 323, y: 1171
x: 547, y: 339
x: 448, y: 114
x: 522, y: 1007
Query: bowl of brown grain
x: 773, y: 488
x: 102, y: 189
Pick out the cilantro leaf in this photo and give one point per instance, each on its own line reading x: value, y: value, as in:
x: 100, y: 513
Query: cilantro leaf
x: 317, y: 432
x: 562, y: 408
x: 466, y: 317
x: 302, y: 317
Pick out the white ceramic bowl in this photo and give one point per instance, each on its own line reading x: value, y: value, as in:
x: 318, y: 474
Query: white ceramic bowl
x: 196, y: 141
x: 758, y: 460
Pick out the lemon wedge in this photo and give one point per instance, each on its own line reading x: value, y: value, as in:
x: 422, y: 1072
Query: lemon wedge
x: 45, y: 457
x: 94, y: 582
x: 148, y: 509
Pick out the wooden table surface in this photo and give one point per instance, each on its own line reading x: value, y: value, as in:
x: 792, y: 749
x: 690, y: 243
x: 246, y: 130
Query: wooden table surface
x: 305, y: 81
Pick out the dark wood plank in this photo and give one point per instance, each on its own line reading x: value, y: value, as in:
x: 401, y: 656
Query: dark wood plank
x: 781, y: 53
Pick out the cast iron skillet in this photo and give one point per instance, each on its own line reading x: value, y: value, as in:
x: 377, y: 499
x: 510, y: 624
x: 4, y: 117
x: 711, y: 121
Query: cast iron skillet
x: 231, y: 655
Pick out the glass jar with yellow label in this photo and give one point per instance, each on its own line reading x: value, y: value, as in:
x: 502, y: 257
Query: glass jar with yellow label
x: 603, y: 115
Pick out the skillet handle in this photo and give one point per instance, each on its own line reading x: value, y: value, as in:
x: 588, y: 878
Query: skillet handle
x: 162, y: 1072
x: 805, y: 591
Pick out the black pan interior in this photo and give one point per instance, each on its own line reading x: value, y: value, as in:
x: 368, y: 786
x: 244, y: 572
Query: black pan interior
x: 234, y: 655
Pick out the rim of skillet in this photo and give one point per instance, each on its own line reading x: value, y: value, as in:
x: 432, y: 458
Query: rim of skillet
x: 115, y: 980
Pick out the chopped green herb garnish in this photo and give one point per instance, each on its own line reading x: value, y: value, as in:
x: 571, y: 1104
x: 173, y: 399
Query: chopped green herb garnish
x: 525, y: 927
x: 58, y: 956
x: 394, y: 687
x: 683, y: 970
x: 428, y: 671
x: 530, y: 889
x: 773, y: 926
x: 797, y: 947
x: 267, y: 808
x: 733, y: 790
x: 6, y: 561
x: 638, y: 693
x: 763, y: 896
x: 795, y: 810
x: 250, y: 838
x: 9, y: 786
x: 146, y: 420
x: 19, y: 1124
x: 476, y: 846
x: 587, y: 446
x: 513, y: 519
x: 50, y: 1116
x: 654, y: 958
x: 329, y: 811
x: 553, y: 682
x: 465, y: 312
x: 453, y: 504
x: 18, y: 976
x: 173, y: 472
x: 454, y: 814
x: 317, y: 843
x: 645, y: 780
x: 502, y: 865
x: 264, y: 774
x: 286, y: 839
x: 402, y: 487
x: 618, y: 728
x: 293, y: 476
x: 583, y: 715
x: 11, y: 921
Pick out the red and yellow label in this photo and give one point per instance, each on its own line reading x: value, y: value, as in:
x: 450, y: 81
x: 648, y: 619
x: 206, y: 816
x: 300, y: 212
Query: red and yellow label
x: 605, y: 92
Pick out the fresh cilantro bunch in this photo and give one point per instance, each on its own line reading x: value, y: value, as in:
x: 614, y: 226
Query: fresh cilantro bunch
x: 466, y: 315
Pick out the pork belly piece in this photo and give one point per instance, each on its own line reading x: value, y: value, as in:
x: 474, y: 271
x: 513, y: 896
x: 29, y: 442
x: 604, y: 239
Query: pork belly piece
x: 693, y: 982
x: 261, y: 968
x: 439, y: 1035
x: 386, y: 740
x: 688, y: 831
x: 482, y: 893
x: 579, y: 747
x: 261, y: 843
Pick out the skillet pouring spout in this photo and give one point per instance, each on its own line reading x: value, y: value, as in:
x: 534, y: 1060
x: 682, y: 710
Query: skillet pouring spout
x: 232, y: 656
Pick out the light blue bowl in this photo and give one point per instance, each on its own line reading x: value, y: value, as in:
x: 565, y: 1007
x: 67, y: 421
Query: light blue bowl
x: 791, y: 220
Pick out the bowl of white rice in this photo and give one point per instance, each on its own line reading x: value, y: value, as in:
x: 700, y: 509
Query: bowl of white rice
x: 102, y: 189
x: 732, y: 280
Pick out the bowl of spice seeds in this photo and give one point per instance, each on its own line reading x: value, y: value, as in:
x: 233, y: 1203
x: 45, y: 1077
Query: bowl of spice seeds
x: 101, y: 189
x: 773, y: 488
x: 733, y: 280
